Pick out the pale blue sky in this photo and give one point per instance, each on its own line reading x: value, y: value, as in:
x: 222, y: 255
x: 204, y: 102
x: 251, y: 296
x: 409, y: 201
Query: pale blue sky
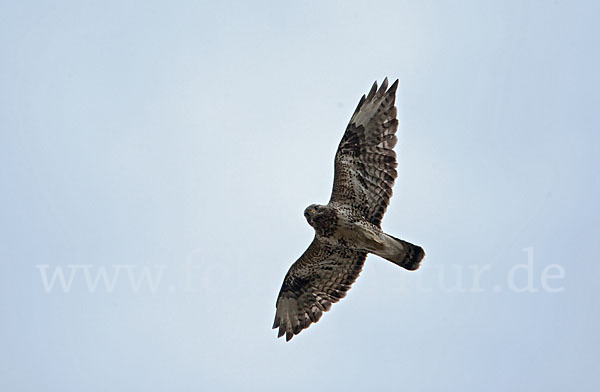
x: 187, y: 138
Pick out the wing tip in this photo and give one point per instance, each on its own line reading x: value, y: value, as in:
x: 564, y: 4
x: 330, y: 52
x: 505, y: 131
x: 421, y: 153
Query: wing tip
x: 372, y: 91
x: 384, y: 86
x: 383, y: 89
x: 393, y: 87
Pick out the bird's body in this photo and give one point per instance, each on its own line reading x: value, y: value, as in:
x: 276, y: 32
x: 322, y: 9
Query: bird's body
x: 349, y: 226
x: 342, y: 228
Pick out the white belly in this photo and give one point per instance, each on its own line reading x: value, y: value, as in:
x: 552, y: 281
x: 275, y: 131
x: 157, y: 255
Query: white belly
x: 361, y: 235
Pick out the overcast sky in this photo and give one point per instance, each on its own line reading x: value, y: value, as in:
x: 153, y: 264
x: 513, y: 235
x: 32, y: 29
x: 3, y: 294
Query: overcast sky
x: 173, y: 148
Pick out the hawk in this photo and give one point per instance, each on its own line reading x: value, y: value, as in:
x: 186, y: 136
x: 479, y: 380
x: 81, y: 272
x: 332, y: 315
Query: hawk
x: 349, y: 226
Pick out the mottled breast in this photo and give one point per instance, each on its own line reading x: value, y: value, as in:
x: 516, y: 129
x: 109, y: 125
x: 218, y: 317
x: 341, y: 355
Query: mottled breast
x: 325, y: 221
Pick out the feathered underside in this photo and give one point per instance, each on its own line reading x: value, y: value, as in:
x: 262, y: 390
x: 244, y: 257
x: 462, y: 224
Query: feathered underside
x: 319, y: 278
x: 365, y: 171
x: 365, y: 162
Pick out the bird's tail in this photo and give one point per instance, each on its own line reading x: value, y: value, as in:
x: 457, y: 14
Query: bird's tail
x: 401, y: 253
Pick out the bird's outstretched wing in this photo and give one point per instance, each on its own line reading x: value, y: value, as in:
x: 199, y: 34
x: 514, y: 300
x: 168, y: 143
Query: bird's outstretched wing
x: 365, y: 162
x: 320, y: 277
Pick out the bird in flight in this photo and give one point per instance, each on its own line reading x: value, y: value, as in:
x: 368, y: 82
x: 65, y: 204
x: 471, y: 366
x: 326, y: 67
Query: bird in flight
x: 349, y: 226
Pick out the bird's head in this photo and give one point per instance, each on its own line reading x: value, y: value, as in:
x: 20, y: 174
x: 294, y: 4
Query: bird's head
x: 310, y: 212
